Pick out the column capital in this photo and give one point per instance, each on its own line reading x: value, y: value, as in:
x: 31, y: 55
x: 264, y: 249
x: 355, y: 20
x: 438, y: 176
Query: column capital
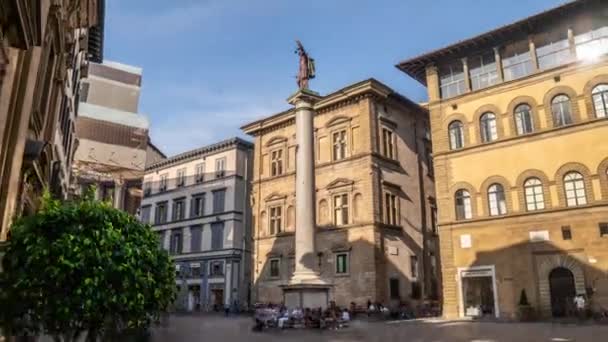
x: 304, y: 95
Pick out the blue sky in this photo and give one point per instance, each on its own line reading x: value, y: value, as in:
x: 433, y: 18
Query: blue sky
x: 211, y: 66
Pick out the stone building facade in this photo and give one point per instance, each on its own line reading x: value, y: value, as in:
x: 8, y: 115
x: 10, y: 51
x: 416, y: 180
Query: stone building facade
x: 197, y: 202
x: 519, y: 126
x: 113, y: 142
x: 374, y: 198
x: 43, y: 56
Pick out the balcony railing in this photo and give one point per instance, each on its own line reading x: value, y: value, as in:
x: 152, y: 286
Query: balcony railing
x: 152, y: 188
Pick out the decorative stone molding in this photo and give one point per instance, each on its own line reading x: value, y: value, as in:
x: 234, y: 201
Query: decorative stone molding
x: 276, y: 140
x: 546, y: 263
x: 484, y: 194
x: 533, y: 173
x: 597, y: 80
x: 559, y: 181
x: 339, y: 119
x: 530, y: 101
x: 559, y: 90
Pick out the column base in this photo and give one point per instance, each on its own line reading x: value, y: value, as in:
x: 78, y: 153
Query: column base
x: 306, y: 296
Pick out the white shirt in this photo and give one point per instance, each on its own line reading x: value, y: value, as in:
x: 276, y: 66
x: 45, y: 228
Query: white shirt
x: 345, y: 316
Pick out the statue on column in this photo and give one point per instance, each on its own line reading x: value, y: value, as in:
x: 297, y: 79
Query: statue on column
x: 306, y: 68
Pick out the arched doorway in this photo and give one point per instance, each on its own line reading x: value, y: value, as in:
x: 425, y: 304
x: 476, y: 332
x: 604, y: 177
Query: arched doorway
x: 562, y: 287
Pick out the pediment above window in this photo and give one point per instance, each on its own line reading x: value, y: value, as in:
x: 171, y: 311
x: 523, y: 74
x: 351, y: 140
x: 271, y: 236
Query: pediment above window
x: 275, y: 197
x: 338, y: 120
x: 340, y: 182
x: 276, y: 140
x: 341, y: 247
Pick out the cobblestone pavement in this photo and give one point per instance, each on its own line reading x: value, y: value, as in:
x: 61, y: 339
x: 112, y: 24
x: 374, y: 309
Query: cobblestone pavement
x: 222, y: 329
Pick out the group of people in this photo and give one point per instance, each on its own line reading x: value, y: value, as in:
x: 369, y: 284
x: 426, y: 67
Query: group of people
x: 279, y: 316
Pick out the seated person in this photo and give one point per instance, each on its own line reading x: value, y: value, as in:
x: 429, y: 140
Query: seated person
x: 345, y: 316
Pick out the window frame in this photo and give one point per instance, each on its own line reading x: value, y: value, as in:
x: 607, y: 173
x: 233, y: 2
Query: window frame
x: 414, y: 266
x: 181, y: 177
x: 561, y: 111
x: 222, y: 269
x: 343, y: 207
x: 275, y: 222
x: 182, y: 212
x: 467, y: 205
x: 176, y: 250
x: 340, y: 145
x: 220, y: 167
x: 603, y: 96
x: 456, y: 135
x: 143, y: 209
x: 199, y: 172
x: 346, y: 270
x: 194, y: 206
x: 388, y: 143
x: 271, y: 275
x: 488, y: 127
x: 534, y: 194
x: 162, y: 185
x: 524, y: 122
x: 578, y: 184
x: 157, y: 217
x: 276, y: 162
x: 392, y: 216
x: 216, y: 209
x: 603, y: 229
x: 497, y: 200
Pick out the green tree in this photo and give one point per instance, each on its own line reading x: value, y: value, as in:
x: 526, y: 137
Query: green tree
x: 83, y: 266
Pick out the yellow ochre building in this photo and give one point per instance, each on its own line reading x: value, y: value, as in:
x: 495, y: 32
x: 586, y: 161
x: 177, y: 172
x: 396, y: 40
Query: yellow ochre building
x: 519, y: 129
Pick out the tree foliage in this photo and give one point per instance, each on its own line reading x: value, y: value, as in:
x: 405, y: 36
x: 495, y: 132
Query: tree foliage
x: 83, y: 266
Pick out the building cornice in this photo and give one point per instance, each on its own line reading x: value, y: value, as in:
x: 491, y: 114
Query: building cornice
x: 197, y: 153
x: 352, y: 94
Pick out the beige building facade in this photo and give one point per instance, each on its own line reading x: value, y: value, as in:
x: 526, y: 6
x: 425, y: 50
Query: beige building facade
x: 519, y: 127
x: 374, y: 198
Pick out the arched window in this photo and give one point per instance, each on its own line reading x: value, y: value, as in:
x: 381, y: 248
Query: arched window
x: 523, y: 119
x: 456, y: 135
x: 533, y: 190
x: 600, y: 100
x: 574, y: 187
x: 496, y: 200
x: 463, y: 205
x: 560, y: 107
x: 488, y: 127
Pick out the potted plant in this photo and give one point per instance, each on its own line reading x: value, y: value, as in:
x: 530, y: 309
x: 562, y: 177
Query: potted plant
x: 525, y: 310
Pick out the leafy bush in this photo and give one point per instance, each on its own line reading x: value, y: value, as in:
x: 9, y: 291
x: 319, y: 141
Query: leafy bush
x: 80, y: 267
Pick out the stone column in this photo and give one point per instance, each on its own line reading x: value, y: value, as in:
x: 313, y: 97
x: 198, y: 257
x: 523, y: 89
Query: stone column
x: 305, y: 253
x: 119, y: 187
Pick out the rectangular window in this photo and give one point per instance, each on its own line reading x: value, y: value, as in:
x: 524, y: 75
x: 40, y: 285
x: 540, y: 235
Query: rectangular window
x: 199, y: 173
x: 603, y: 229
x: 414, y: 266
x: 275, y: 270
x: 516, y: 60
x: 276, y: 220
x: 388, y: 144
x: 339, y: 143
x: 216, y: 268
x: 428, y: 153
x: 176, y: 242
x: 145, y: 213
x: 452, y: 80
x: 592, y: 41
x: 341, y: 209
x: 394, y: 288
x: 179, y: 209
x: 84, y: 91
x: 160, y: 216
x: 276, y: 163
x: 195, y: 270
x: 391, y: 210
x: 483, y: 71
x: 566, y: 233
x: 147, y: 188
x: 197, y: 206
x: 181, y: 177
x: 220, y: 167
x: 342, y: 263
x: 553, y: 49
x: 196, y: 236
x: 217, y: 235
x: 219, y: 201
x: 163, y: 182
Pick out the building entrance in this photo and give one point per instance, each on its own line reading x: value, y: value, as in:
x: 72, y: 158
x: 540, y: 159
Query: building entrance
x: 477, y: 290
x: 561, y: 285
